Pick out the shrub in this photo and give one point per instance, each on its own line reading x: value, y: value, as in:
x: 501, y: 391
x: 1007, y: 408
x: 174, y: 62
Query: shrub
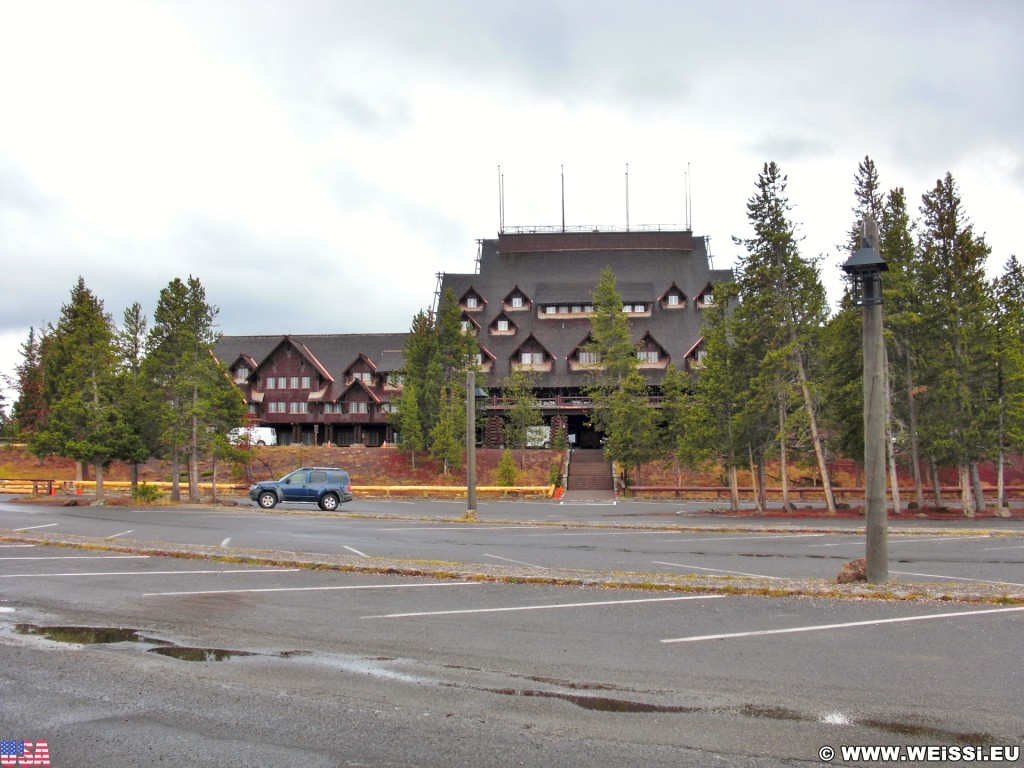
x: 147, y: 494
x: 507, y: 473
x: 555, y: 475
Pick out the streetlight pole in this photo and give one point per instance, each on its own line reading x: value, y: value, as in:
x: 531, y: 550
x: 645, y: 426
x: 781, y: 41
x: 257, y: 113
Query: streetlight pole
x: 866, y: 267
x: 471, y: 444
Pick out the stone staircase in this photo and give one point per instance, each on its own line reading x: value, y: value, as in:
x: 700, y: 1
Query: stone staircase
x: 590, y: 472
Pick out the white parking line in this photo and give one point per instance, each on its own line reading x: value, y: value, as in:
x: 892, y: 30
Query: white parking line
x: 80, y: 557
x: 517, y: 562
x: 845, y: 625
x: 756, y: 537
x: 16, y: 546
x: 459, y: 528
x: 122, y: 533
x: 916, y: 540
x: 33, y: 527
x: 317, y: 589
x: 716, y: 570
x: 957, y: 578
x: 543, y: 607
x: 356, y: 551
x: 143, y: 573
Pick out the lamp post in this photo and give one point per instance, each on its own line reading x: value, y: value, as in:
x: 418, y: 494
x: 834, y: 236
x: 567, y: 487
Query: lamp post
x: 865, y: 269
x: 471, y: 444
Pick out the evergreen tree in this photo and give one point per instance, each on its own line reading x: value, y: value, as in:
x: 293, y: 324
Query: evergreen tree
x: 959, y: 415
x: 778, y: 321
x: 84, y: 419
x: 456, y: 348
x: 688, y: 433
x: 181, y: 366
x: 610, y: 337
x: 29, y: 411
x: 410, y: 423
x: 522, y: 411
x: 630, y: 424
x: 718, y: 408
x: 130, y: 340
x: 1008, y: 301
x: 507, y: 473
x: 446, y: 438
x: 621, y: 403
x: 419, y: 403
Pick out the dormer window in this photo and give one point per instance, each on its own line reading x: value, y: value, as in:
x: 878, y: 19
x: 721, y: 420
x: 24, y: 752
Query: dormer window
x: 648, y: 355
x: 517, y: 302
x: 502, y: 326
x: 672, y: 299
x: 242, y: 372
x: 471, y: 301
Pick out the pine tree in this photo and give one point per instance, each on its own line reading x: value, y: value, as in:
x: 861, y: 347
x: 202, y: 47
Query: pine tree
x: 522, y: 411
x: 456, y: 349
x: 959, y: 414
x: 610, y: 336
x: 621, y: 404
x: 83, y: 398
x: 687, y: 428
x: 781, y: 311
x: 630, y: 424
x: 181, y: 366
x: 410, y: 422
x: 130, y: 340
x: 446, y: 438
x: 28, y: 413
x: 719, y: 400
x: 1008, y: 301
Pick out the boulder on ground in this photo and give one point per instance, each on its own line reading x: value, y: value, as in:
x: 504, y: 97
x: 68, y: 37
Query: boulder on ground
x: 854, y: 570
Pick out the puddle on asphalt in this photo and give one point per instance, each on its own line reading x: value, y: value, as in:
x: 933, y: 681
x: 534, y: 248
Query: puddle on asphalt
x: 374, y: 666
x: 200, y: 654
x: 81, y: 635
x: 111, y: 635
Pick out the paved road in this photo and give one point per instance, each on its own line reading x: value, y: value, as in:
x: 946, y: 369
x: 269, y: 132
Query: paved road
x: 352, y: 669
x: 632, y: 537
x: 361, y: 669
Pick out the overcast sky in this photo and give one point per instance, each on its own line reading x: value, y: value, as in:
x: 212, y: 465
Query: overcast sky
x: 315, y: 163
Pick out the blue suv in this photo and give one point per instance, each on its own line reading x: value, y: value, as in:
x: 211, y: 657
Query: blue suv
x: 327, y: 486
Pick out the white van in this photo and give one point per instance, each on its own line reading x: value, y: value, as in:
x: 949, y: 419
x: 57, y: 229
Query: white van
x: 252, y: 436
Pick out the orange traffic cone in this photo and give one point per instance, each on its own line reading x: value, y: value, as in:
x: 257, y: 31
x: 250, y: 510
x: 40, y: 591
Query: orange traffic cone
x: 79, y: 489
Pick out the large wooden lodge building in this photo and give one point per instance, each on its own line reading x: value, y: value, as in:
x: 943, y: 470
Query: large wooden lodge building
x: 528, y: 304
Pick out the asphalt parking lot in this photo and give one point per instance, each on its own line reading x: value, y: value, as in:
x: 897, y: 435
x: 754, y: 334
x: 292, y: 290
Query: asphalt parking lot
x: 346, y: 667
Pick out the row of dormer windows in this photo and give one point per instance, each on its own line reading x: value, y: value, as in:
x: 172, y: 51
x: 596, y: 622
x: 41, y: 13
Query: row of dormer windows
x: 286, y: 382
x: 674, y: 298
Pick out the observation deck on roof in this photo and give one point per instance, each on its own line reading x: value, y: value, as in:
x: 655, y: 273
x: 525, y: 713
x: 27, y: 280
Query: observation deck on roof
x: 586, y: 238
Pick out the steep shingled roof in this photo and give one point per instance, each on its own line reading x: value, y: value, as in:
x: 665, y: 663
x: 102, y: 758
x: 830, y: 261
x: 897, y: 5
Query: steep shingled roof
x: 563, y: 268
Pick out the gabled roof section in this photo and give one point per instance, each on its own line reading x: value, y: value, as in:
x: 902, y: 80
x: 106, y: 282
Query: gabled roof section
x: 537, y: 343
x: 647, y: 340
x: 673, y: 289
x: 364, y: 358
x: 472, y: 292
x: 692, y: 351
x: 361, y: 385
x: 517, y: 291
x: 302, y: 349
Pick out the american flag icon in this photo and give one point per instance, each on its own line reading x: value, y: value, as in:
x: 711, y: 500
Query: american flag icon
x: 21, y: 752
x: 12, y: 748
